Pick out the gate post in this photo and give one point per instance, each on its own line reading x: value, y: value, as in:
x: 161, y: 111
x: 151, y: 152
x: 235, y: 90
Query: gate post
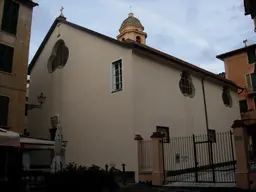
x: 142, y: 176
x: 242, y: 156
x: 157, y: 158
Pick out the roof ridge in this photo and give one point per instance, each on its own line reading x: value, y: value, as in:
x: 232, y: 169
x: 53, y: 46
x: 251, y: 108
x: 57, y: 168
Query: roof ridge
x: 188, y: 64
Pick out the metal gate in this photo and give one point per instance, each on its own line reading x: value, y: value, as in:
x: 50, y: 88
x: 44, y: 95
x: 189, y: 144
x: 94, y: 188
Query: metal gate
x: 205, y: 158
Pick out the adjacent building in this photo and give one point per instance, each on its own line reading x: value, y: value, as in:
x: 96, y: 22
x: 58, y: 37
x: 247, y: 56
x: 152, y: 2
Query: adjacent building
x: 15, y: 26
x: 240, y: 68
x: 250, y: 9
x: 106, y: 91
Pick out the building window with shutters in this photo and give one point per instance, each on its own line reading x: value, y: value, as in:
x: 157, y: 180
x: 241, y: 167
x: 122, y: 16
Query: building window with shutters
x: 253, y: 82
x: 243, y: 106
x: 6, y: 58
x: 117, y: 76
x: 4, y: 109
x: 251, y: 56
x: 10, y: 17
x: 248, y: 81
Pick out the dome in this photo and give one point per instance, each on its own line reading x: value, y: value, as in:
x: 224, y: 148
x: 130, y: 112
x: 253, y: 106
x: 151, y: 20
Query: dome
x: 131, y: 20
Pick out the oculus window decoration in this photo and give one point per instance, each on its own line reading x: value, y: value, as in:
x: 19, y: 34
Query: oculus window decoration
x: 59, y: 56
x: 186, y: 85
x: 226, y: 97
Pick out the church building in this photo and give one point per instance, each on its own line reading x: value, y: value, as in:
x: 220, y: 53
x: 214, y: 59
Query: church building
x: 108, y: 90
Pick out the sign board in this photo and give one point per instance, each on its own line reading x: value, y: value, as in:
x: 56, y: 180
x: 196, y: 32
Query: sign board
x: 177, y: 158
x: 212, y: 135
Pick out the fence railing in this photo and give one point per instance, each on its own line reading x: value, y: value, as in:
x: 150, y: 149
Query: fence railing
x: 196, y: 159
x: 146, y: 164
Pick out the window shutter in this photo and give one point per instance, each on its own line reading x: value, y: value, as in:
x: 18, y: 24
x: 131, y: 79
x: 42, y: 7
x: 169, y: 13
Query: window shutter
x: 10, y: 17
x: 253, y: 79
x: 251, y: 56
x: 243, y: 106
x: 14, y: 18
x: 6, y: 58
x: 4, y: 108
x: 248, y: 81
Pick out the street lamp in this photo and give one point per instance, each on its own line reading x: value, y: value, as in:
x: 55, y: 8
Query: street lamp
x: 41, y: 99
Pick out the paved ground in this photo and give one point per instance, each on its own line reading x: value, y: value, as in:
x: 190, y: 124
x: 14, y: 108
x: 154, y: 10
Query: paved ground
x: 224, y: 177
x: 147, y: 188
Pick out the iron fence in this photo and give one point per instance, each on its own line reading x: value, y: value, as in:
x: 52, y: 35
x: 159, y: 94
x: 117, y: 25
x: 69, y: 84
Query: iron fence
x: 198, y: 159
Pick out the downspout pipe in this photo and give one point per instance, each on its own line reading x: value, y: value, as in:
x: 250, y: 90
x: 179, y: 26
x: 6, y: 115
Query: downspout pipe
x: 207, y: 128
x: 205, y: 106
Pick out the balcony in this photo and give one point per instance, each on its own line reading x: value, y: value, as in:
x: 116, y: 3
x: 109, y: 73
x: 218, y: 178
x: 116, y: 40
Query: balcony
x: 251, y: 114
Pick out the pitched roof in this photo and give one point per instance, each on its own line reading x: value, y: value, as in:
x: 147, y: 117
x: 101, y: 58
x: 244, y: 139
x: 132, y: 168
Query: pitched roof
x: 235, y: 52
x: 28, y: 2
x: 132, y: 45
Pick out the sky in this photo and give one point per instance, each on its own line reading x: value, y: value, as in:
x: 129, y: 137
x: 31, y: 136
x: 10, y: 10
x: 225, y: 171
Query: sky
x: 192, y: 30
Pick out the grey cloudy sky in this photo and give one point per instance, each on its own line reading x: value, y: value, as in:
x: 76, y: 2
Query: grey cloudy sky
x: 192, y: 30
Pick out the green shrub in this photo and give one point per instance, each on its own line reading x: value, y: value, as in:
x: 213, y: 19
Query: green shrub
x: 80, y: 178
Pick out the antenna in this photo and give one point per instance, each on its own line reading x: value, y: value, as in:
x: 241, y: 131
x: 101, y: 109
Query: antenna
x: 245, y: 42
x: 130, y: 8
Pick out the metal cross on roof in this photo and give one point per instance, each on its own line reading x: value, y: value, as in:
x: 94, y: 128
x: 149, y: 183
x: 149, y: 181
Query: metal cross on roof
x: 61, y: 11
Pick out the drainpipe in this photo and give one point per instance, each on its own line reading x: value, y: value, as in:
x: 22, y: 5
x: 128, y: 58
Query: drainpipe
x: 207, y: 128
x: 205, y: 106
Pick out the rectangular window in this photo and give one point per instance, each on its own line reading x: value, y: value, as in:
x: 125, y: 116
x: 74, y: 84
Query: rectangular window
x: 248, y: 81
x: 117, y: 76
x: 253, y: 81
x: 243, y: 106
x: 4, y: 108
x: 6, y: 58
x: 10, y: 16
x: 165, y: 133
x: 251, y: 55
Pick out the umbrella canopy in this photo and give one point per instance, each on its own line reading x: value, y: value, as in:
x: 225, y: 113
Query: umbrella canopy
x: 9, y: 138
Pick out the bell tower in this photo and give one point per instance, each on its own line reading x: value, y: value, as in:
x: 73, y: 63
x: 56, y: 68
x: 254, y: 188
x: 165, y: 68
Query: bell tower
x: 132, y: 29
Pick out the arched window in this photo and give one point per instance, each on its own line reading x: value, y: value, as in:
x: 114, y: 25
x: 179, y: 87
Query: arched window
x: 226, y: 97
x: 123, y: 39
x: 138, y: 39
x: 186, y: 85
x: 59, y: 56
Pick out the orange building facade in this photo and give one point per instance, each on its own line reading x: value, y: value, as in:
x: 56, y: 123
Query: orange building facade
x: 240, y: 68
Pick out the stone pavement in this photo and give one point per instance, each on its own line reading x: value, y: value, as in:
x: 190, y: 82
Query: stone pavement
x: 148, y: 188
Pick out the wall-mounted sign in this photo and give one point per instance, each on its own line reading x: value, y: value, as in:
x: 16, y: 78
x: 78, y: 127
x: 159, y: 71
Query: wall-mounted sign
x: 212, y: 135
x: 177, y: 158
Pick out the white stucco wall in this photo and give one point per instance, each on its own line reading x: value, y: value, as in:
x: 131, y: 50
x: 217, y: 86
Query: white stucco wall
x: 96, y: 123
x: 158, y: 101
